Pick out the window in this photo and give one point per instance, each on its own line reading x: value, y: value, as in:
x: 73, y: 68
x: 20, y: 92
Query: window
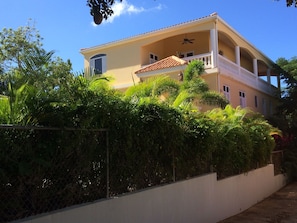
x: 186, y: 54
x: 242, y: 99
x: 98, y: 64
x: 226, y: 92
x: 153, y: 58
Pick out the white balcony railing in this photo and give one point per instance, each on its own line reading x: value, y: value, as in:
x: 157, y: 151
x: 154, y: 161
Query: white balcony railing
x: 205, y: 58
x: 235, y: 71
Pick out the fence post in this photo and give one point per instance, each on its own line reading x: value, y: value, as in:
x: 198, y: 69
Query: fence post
x: 107, y: 164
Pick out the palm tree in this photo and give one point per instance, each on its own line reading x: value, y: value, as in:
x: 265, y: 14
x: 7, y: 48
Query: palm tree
x: 243, y: 139
x: 190, y: 94
x: 162, y: 89
x: 197, y: 87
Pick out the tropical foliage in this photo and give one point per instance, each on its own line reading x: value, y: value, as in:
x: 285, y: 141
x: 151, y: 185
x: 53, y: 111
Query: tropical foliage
x: 189, y: 94
x: 244, y: 140
x: 286, y: 118
x: 73, y: 140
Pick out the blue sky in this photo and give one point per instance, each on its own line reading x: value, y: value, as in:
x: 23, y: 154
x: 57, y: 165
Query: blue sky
x: 67, y: 26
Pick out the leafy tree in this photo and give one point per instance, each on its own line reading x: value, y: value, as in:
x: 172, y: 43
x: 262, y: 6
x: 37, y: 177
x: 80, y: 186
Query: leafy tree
x: 100, y: 9
x: 288, y: 106
x: 287, y: 113
x: 28, y: 72
x: 15, y: 45
x: 291, y: 3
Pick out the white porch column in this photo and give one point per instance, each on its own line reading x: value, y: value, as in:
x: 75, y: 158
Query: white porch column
x: 268, y: 76
x: 278, y: 82
x: 214, y: 47
x: 237, y: 55
x: 255, y: 66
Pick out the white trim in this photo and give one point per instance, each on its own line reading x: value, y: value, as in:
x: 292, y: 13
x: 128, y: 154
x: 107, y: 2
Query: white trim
x: 154, y: 59
x: 226, y: 91
x: 242, y: 98
x: 103, y: 63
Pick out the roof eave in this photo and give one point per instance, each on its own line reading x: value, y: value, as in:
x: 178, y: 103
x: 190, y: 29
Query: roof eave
x: 161, y: 71
x: 150, y: 34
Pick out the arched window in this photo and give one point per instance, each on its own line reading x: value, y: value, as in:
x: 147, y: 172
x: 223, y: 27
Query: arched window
x: 98, y: 64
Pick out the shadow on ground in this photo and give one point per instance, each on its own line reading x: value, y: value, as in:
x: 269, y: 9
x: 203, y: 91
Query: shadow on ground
x: 281, y: 207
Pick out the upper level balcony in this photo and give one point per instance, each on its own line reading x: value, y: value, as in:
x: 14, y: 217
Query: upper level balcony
x: 261, y: 81
x: 266, y: 83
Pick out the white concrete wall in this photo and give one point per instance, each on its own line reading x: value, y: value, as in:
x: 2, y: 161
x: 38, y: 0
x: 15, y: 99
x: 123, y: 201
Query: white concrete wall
x: 201, y: 199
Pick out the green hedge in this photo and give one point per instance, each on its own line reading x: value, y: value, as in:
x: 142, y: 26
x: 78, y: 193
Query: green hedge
x: 148, y: 144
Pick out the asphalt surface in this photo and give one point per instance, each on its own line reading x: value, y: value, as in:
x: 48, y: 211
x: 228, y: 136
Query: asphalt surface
x: 281, y: 207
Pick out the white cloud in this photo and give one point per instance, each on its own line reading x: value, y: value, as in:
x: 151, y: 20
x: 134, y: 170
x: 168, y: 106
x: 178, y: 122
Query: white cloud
x: 122, y: 8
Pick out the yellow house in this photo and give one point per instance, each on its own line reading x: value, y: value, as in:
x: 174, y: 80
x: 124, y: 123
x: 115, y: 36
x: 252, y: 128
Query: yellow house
x: 233, y: 66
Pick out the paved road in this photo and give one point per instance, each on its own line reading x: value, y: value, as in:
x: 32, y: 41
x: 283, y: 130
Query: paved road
x: 281, y: 207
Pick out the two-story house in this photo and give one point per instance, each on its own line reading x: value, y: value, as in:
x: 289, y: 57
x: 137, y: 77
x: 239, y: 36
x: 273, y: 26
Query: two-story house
x: 233, y: 66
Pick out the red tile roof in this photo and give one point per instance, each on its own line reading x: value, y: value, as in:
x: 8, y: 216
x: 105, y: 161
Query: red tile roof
x: 167, y: 62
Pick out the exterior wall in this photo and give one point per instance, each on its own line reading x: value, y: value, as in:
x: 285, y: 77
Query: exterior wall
x: 228, y: 51
x: 211, y: 80
x: 250, y: 93
x: 246, y: 62
x: 172, y: 75
x: 201, y: 199
x: 121, y: 63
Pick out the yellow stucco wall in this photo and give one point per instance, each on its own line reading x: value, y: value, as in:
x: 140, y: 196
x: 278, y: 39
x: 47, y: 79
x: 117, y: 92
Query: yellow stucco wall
x: 211, y: 80
x: 227, y: 51
x: 250, y: 93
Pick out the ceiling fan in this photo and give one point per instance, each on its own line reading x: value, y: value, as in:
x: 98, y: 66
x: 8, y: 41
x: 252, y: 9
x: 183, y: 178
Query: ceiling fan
x: 187, y: 40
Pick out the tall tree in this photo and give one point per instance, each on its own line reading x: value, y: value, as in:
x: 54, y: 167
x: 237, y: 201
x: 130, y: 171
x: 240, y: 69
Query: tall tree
x: 27, y: 70
x: 15, y: 45
x: 287, y: 116
x: 288, y: 106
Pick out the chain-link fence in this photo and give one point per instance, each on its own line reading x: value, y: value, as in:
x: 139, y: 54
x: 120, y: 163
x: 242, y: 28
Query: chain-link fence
x: 44, y: 169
